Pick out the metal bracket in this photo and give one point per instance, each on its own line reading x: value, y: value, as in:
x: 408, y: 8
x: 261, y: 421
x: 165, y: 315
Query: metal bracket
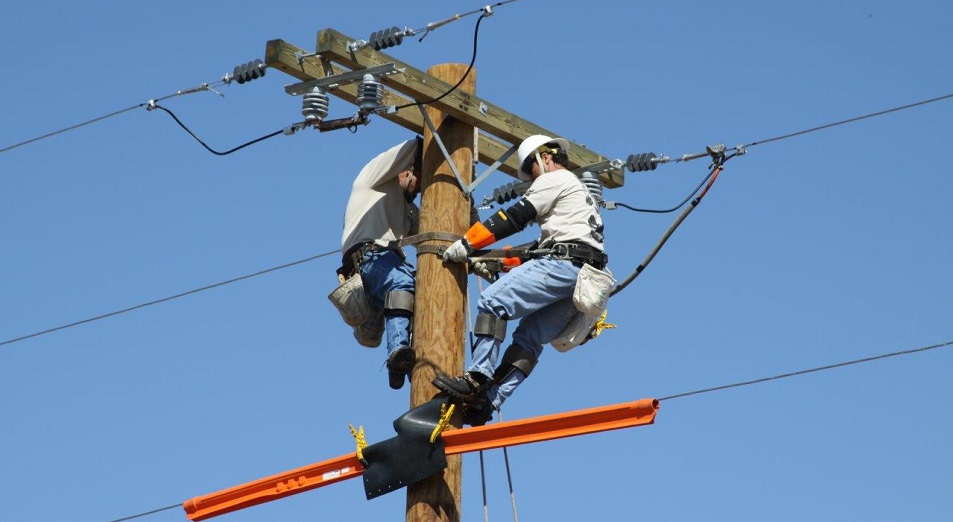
x: 443, y: 148
x: 601, y: 167
x: 490, y: 170
x: 467, y: 189
x: 301, y: 55
x: 332, y: 82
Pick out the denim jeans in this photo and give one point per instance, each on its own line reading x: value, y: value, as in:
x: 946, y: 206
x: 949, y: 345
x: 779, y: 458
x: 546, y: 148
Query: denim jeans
x: 384, y: 271
x: 539, y: 294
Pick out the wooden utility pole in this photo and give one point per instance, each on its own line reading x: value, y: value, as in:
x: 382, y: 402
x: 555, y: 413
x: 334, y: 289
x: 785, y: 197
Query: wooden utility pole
x: 439, y: 315
x: 440, y: 309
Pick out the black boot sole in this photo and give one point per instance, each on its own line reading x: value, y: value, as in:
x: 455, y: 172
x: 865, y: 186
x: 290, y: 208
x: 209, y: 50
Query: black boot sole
x: 399, y: 366
x: 440, y: 382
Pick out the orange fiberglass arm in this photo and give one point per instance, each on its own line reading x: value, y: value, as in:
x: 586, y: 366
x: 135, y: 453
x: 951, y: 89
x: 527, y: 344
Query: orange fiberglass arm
x: 510, y: 433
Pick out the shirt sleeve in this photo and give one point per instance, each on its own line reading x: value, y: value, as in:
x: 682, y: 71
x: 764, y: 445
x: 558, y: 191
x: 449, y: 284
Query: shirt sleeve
x: 387, y: 165
x: 542, y: 194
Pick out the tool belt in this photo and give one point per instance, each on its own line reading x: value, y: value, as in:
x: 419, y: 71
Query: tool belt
x: 578, y: 253
x: 352, y: 259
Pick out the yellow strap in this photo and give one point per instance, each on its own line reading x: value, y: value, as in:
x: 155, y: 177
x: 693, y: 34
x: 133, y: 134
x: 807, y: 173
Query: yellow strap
x: 601, y: 325
x: 359, y: 440
x: 445, y: 414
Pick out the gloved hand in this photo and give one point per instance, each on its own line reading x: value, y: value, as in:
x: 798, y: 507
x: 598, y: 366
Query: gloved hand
x: 458, y: 251
x: 482, y: 269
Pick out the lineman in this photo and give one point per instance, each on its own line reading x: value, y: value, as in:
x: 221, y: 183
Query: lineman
x: 538, y: 292
x: 380, y: 212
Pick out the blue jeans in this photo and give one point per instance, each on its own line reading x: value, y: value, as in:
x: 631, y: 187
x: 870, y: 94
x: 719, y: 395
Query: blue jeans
x: 539, y: 294
x: 384, y: 271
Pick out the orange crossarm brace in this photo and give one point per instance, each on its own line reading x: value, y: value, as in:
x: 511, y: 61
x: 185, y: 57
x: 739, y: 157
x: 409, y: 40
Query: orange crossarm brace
x: 509, y: 433
x: 274, y: 487
x: 549, y: 427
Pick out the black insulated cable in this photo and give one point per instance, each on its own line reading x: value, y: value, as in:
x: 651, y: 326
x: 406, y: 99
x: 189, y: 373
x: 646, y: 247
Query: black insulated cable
x: 476, y: 34
x: 213, y: 151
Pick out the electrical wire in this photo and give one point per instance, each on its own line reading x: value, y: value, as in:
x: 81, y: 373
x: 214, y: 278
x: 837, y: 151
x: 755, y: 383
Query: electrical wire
x: 667, y: 398
x: 676, y: 207
x: 476, y: 34
x: 711, y: 177
x: 843, y: 122
x: 803, y: 372
x: 200, y: 88
x: 213, y: 151
x: 78, y: 125
x: 169, y: 298
x: 154, y: 511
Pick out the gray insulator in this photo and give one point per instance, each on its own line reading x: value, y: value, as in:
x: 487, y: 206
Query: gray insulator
x: 315, y: 105
x: 247, y: 72
x: 509, y: 191
x: 593, y: 184
x: 386, y: 38
x: 642, y: 162
x: 370, y: 94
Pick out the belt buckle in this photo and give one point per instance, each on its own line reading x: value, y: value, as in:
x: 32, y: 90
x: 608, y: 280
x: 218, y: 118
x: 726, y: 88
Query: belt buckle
x: 561, y: 250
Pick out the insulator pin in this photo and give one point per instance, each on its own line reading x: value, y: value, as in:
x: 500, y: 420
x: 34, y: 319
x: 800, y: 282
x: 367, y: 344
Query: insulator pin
x: 315, y: 105
x: 247, y: 72
x: 370, y: 94
x: 642, y: 162
x: 593, y: 184
x: 386, y: 38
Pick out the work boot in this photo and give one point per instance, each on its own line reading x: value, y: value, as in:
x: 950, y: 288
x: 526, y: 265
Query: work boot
x: 464, y: 387
x: 399, y: 364
x: 479, y: 411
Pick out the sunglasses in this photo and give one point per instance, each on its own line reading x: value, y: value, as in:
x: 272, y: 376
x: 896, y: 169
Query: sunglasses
x: 527, y: 166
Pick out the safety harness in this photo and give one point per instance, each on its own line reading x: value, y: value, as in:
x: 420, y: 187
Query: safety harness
x: 352, y: 259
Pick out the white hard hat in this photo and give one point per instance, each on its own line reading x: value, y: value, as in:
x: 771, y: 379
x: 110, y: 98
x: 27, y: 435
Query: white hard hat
x: 531, y: 145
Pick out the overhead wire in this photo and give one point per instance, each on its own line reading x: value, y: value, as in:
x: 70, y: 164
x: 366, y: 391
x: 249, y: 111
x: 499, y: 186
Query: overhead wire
x: 169, y: 298
x: 741, y: 149
x: 200, y: 88
x: 154, y: 511
x: 804, y: 372
x: 844, y: 122
x: 662, y: 399
x: 476, y: 34
x: 78, y: 125
x: 210, y: 149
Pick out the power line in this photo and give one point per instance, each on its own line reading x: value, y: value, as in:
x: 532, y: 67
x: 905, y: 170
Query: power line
x: 803, y: 372
x: 670, y: 397
x: 210, y: 149
x: 169, y: 298
x: 54, y: 133
x: 200, y: 88
x: 848, y: 120
x: 154, y: 511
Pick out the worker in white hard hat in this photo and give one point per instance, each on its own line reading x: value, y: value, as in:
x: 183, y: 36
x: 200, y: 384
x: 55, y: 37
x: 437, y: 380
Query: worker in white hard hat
x: 378, y: 284
x: 538, y: 292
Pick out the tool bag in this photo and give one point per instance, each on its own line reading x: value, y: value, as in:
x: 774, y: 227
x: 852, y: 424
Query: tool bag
x: 593, y: 287
x: 350, y: 300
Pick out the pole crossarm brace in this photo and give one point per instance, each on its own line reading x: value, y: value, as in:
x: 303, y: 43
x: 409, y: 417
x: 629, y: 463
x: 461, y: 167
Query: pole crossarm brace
x: 499, y: 128
x: 501, y: 434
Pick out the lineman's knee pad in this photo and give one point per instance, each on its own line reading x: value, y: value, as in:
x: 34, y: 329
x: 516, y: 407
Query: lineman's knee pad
x: 516, y: 358
x: 400, y: 302
x: 489, y: 324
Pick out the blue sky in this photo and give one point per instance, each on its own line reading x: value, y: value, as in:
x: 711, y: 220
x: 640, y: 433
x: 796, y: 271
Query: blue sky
x: 809, y: 251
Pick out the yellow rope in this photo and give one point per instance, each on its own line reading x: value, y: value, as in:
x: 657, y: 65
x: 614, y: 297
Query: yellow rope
x: 445, y: 414
x: 359, y: 439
